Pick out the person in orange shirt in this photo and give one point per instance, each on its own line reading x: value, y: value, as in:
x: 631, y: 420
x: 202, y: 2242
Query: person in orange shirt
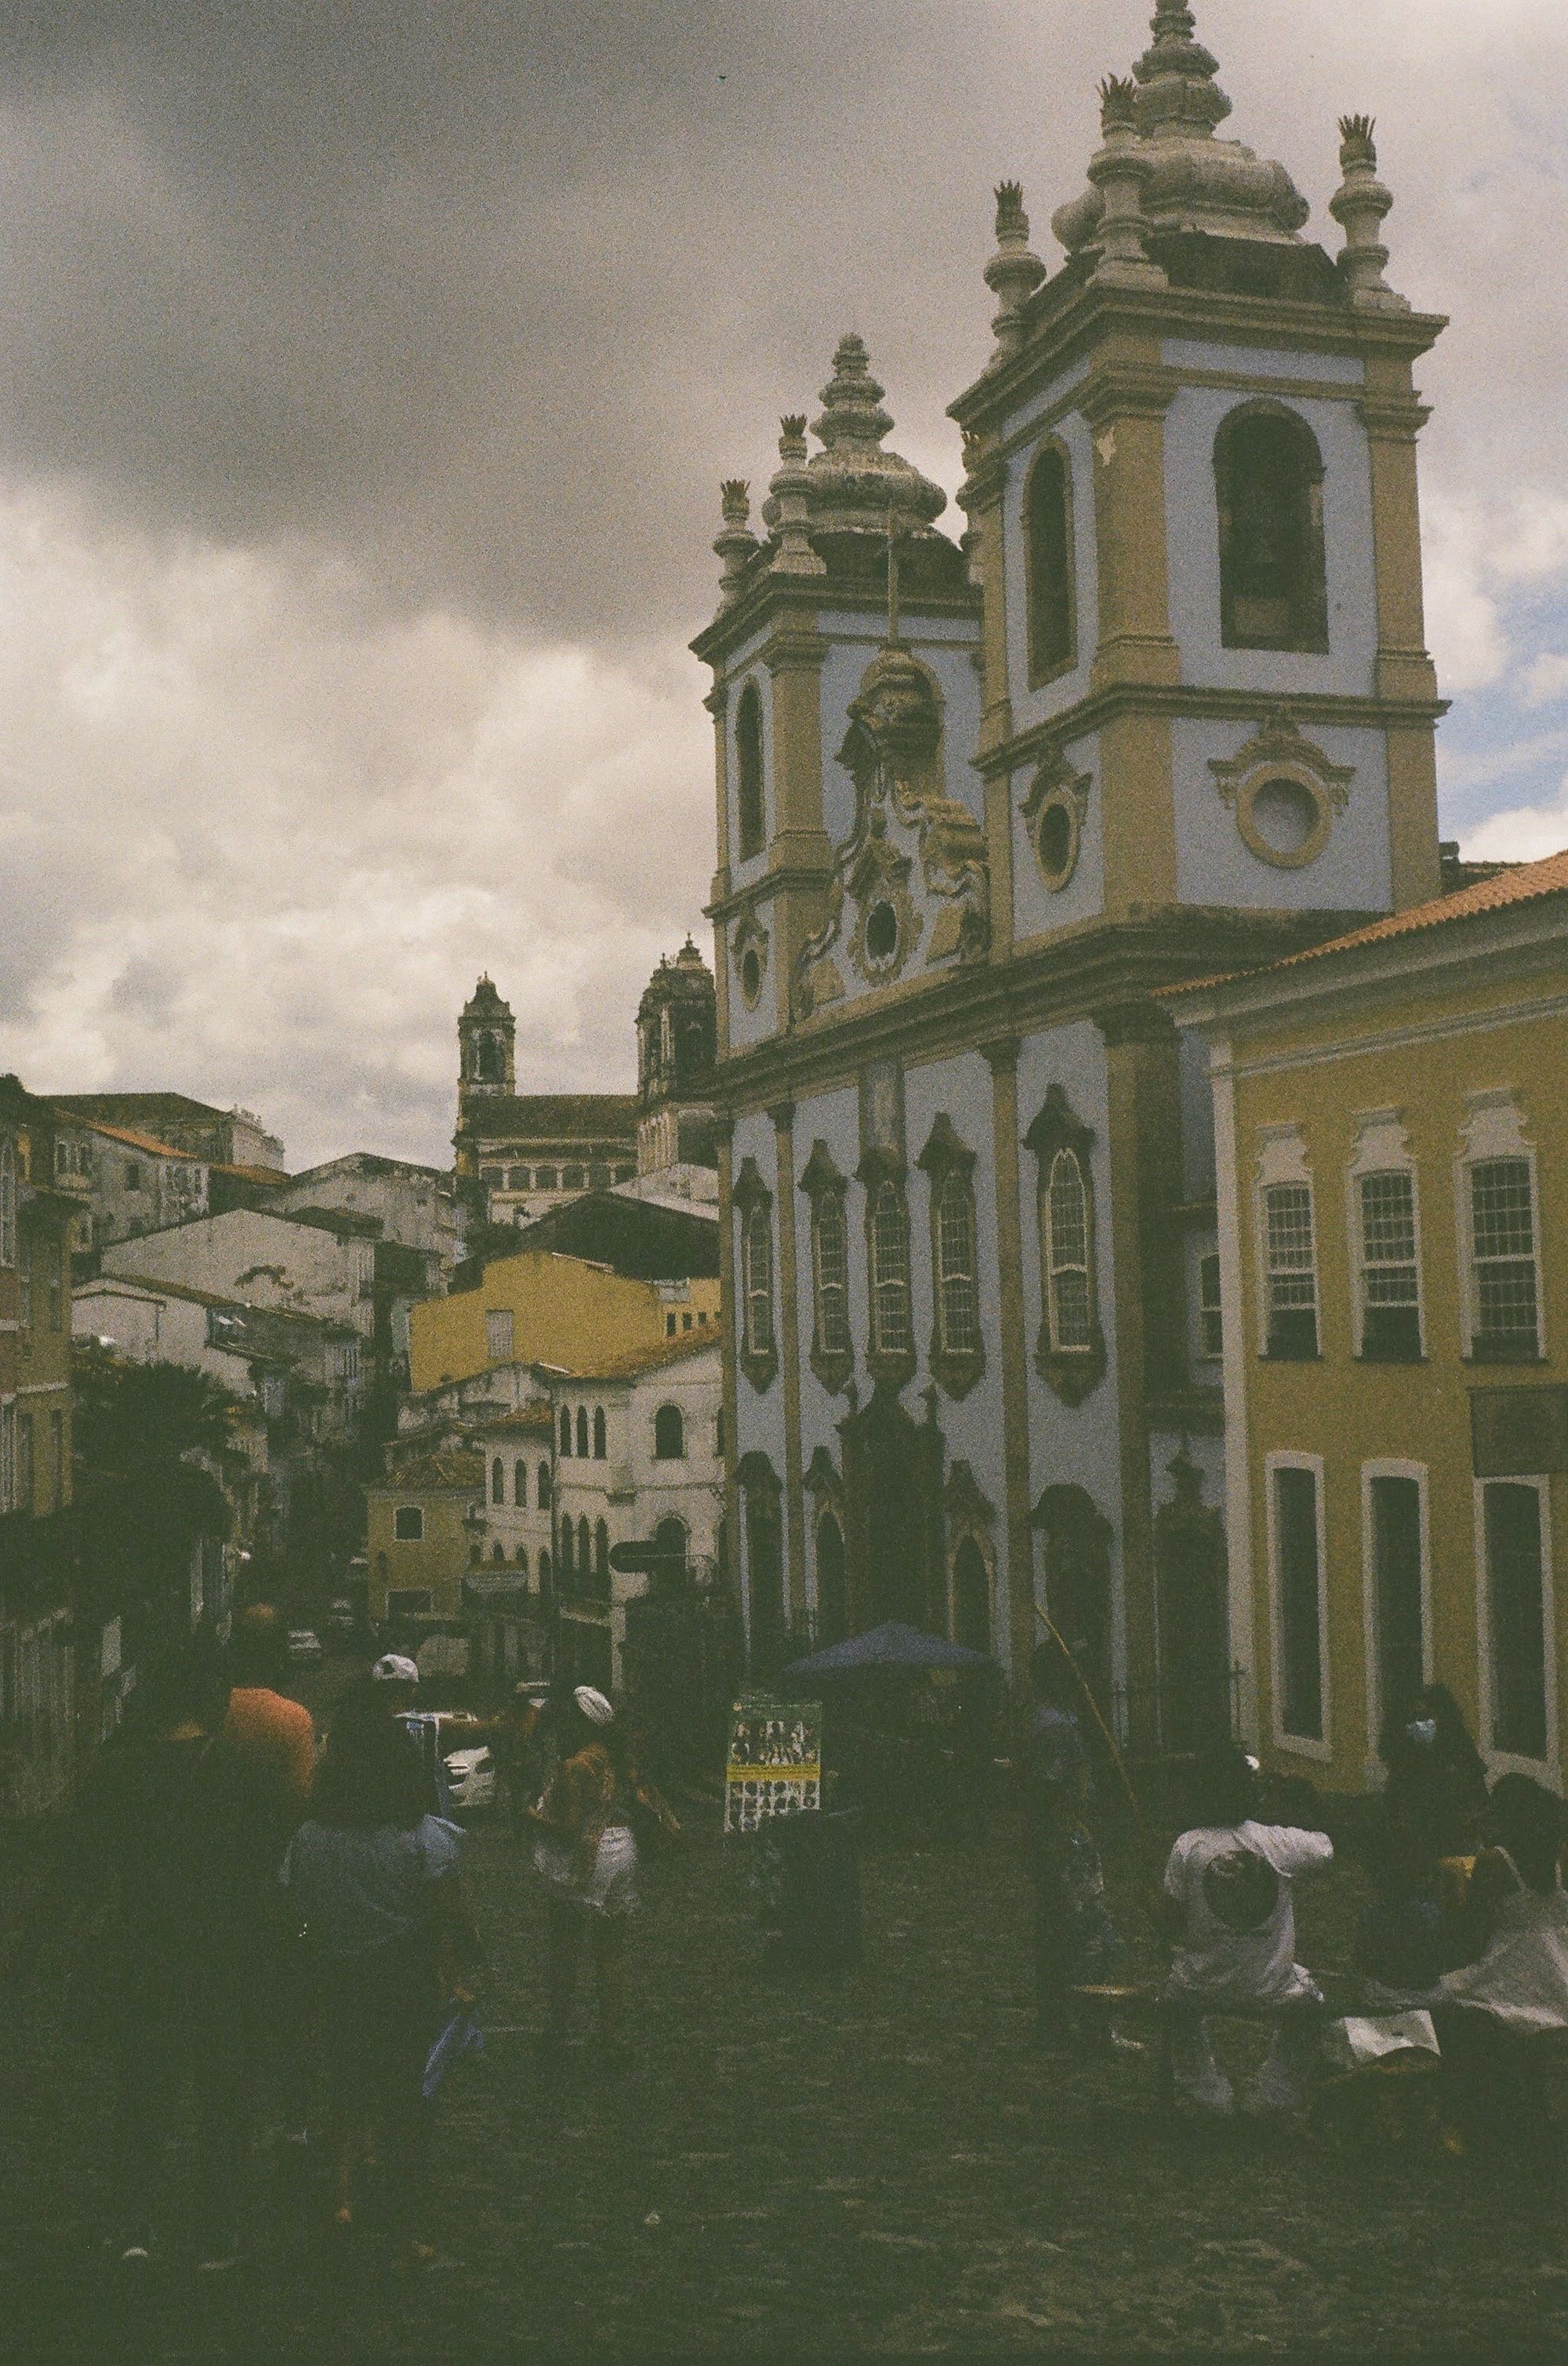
x: 275, y: 1735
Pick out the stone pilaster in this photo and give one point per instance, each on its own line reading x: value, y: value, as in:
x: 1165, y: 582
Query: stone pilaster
x: 783, y: 1118
x: 1003, y: 1060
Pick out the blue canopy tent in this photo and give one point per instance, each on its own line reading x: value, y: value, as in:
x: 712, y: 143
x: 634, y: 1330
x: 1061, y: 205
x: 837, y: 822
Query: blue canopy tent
x: 891, y: 1646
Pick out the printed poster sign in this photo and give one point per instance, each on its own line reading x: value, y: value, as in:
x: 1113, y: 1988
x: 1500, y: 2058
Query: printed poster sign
x: 775, y: 1761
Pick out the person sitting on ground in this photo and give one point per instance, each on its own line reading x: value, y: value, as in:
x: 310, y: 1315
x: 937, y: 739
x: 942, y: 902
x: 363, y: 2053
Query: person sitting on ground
x: 587, y: 1857
x: 1229, y: 1913
x: 1516, y: 1986
x: 371, y: 1880
x: 1075, y: 1938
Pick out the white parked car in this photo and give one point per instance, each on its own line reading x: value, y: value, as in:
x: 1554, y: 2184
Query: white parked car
x: 304, y: 1643
x: 471, y: 1778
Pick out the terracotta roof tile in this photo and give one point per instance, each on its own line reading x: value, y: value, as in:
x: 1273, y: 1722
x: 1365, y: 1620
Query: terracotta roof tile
x: 433, y: 1470
x: 635, y: 1361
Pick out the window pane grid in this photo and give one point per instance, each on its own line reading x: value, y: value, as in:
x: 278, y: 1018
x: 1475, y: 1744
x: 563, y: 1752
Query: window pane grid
x: 1502, y: 1237
x: 890, y: 1274
x: 956, y: 1268
x: 833, y: 1277
x: 1292, y: 1278
x: 1067, y: 1227
x: 759, y: 1283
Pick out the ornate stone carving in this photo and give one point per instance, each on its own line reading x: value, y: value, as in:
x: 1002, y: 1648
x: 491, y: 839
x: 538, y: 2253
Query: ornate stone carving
x: 1284, y: 792
x: 749, y: 948
x: 903, y: 817
x: 1054, y: 813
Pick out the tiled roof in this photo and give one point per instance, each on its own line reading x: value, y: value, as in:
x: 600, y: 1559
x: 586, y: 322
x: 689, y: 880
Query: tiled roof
x: 1525, y: 882
x: 522, y: 1422
x: 150, y: 1287
x: 133, y: 1140
x: 272, y: 1177
x: 634, y: 1361
x: 433, y: 1470
x: 552, y: 1117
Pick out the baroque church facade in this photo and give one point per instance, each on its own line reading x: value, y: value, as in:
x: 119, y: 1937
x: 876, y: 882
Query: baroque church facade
x: 1163, y: 711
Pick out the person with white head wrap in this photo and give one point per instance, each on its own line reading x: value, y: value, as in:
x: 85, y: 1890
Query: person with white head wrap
x: 586, y: 1855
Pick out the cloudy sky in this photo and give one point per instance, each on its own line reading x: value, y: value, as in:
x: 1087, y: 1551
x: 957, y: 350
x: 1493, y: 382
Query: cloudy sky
x: 367, y: 369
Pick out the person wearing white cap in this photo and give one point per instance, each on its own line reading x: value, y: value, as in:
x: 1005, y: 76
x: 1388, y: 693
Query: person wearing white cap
x: 587, y: 1857
x: 396, y: 1682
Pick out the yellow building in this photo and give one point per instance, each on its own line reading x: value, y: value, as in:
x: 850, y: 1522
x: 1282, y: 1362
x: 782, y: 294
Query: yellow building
x: 420, y: 1528
x: 540, y: 1308
x: 1391, y: 1136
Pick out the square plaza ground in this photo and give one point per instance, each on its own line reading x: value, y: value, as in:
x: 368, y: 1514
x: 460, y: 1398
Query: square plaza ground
x: 808, y: 2167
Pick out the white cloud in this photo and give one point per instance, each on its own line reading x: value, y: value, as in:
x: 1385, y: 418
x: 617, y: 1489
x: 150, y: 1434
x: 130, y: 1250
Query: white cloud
x: 1546, y: 679
x: 260, y: 841
x: 1523, y: 834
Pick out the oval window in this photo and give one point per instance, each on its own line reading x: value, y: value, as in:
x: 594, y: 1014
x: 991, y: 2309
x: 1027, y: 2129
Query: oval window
x: 1057, y: 840
x: 1285, y: 815
x: 881, y: 932
x: 750, y: 974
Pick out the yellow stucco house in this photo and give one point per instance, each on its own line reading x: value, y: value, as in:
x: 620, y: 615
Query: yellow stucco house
x: 420, y: 1528
x: 1390, y: 1119
x: 543, y: 1308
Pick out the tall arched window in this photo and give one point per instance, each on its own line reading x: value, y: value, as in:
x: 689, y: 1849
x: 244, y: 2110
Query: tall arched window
x: 830, y: 1268
x: 522, y: 1562
x: 520, y: 1484
x: 957, y: 1310
x: 1066, y: 1250
x: 565, y: 1547
x: 497, y: 1552
x: 7, y: 1205
x: 498, y: 1481
x: 1047, y: 558
x: 890, y: 1332
x: 758, y: 1260
x: 833, y: 1599
x: 669, y: 1434
x: 669, y: 1538
x: 542, y: 1486
x: 566, y: 1429
x: 602, y: 1549
x: 1269, y: 483
x: 598, y: 1438
x: 582, y: 1431
x: 585, y: 1545
x: 748, y: 773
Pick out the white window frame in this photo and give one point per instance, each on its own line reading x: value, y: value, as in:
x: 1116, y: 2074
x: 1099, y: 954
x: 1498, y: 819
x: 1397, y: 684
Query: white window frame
x: 832, y: 1204
x: 1301, y: 1745
x: 1205, y: 1256
x: 957, y: 1183
x: 1510, y: 1761
x: 1494, y: 1128
x: 1383, y: 1147
x: 1058, y: 1265
x: 1282, y: 1159
x: 1390, y: 1467
x: 758, y: 1290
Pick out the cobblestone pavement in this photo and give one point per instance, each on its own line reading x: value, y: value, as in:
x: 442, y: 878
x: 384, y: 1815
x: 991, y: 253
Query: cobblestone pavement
x: 805, y: 2168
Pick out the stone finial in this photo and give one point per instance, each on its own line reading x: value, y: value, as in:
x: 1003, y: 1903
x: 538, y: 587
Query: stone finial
x: 1014, y: 272
x: 788, y: 506
x: 735, y: 542
x: 1120, y: 173
x: 1359, y: 205
x: 1177, y: 88
x: 852, y: 409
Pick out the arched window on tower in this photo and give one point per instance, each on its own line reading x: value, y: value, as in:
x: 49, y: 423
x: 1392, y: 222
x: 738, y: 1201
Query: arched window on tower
x: 566, y: 1429
x: 582, y: 1431
x: 889, y: 1242
x: 520, y: 1484
x: 748, y: 773
x: 598, y: 1434
x: 1269, y: 483
x: 585, y: 1546
x: 957, y: 1306
x: 1070, y: 1310
x: 542, y: 1486
x: 669, y: 1434
x: 1048, y: 560
x: 498, y: 1481
x: 759, y: 1257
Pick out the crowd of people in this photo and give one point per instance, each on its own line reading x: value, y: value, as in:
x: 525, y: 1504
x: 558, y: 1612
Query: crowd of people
x: 270, y: 1927
x: 264, y: 1928
x: 1461, y: 1950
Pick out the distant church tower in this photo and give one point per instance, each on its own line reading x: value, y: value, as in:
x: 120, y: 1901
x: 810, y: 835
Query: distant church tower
x: 486, y: 1041
x: 676, y: 1048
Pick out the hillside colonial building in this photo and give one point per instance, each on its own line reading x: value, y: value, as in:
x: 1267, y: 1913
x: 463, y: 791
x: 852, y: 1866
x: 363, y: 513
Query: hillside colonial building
x: 1393, y: 1169
x: 1165, y: 711
x: 522, y: 1153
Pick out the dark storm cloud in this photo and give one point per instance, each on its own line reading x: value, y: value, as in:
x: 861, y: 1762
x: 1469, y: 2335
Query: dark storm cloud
x: 477, y: 292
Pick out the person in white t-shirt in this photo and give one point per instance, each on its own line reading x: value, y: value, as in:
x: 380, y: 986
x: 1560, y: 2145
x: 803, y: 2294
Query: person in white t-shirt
x: 1229, y: 1912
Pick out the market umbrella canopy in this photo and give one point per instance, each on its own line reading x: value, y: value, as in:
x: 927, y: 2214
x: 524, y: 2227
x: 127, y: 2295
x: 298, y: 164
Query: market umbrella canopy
x: 889, y: 1646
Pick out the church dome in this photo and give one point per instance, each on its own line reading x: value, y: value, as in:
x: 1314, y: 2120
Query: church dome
x: 1190, y: 181
x: 853, y: 483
